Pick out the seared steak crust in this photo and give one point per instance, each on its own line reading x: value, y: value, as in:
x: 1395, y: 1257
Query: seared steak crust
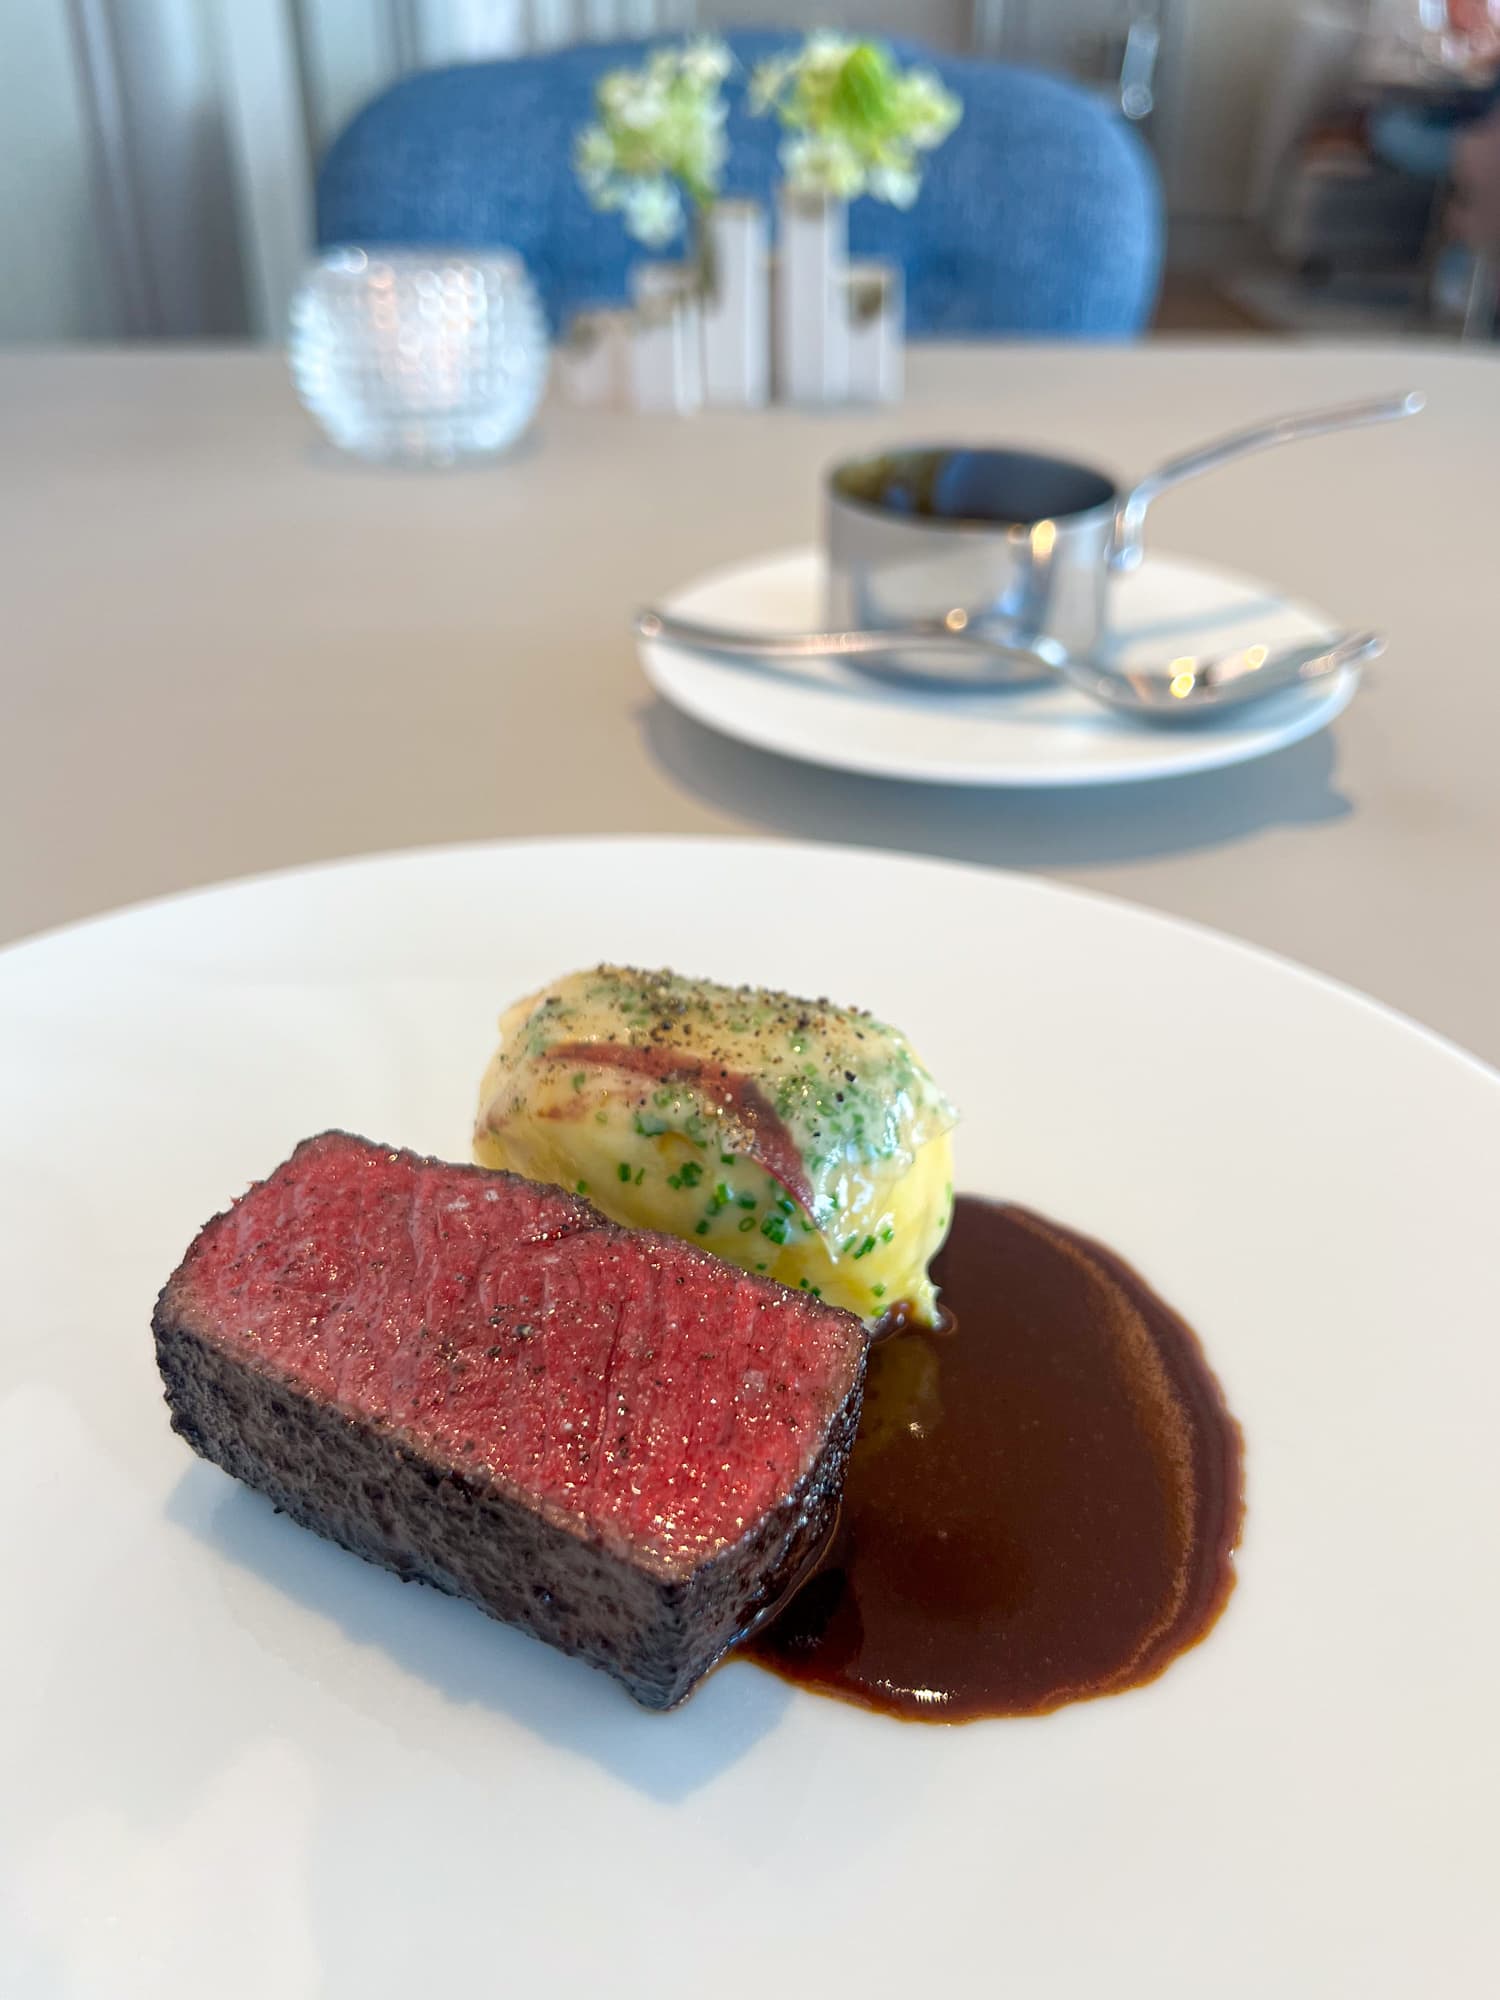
x: 622, y: 1445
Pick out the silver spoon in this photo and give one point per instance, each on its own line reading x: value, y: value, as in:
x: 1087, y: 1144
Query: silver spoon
x: 1183, y: 688
x: 1187, y: 688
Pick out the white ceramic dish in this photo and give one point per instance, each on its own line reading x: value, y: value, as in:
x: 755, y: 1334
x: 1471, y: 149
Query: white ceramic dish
x: 236, y: 1762
x: 1170, y: 607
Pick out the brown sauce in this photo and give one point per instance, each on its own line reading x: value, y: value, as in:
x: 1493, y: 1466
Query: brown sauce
x: 1042, y: 1503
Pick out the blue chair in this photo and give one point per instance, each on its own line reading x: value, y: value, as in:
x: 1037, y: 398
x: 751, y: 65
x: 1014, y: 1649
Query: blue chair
x: 1041, y: 215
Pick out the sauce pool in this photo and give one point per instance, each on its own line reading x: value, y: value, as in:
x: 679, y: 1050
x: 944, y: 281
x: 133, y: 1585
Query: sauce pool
x: 1042, y: 1503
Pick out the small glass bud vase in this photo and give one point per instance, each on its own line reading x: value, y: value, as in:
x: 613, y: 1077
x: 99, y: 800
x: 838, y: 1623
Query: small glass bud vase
x: 875, y: 305
x: 812, y: 321
x: 592, y: 359
x: 666, y: 343
x: 736, y: 306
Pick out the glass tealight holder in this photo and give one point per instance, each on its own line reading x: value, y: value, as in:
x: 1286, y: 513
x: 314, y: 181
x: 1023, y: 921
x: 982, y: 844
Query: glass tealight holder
x: 423, y: 355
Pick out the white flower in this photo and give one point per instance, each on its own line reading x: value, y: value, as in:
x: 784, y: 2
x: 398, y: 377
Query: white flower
x: 822, y: 163
x: 706, y: 61
x: 856, y: 122
x: 769, y: 80
x: 825, y: 49
x: 900, y: 186
x: 638, y: 110
x: 653, y: 211
x: 929, y: 110
x: 594, y: 157
x: 659, y: 139
x: 616, y: 87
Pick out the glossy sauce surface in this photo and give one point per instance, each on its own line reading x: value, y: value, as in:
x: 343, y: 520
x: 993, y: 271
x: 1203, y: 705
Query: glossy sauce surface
x: 1042, y: 1504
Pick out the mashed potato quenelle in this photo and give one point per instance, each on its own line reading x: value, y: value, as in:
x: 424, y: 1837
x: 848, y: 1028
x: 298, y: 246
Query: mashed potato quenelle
x: 790, y: 1136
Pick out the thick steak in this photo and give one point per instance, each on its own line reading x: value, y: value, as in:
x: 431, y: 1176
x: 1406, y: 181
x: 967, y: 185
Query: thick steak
x: 625, y: 1445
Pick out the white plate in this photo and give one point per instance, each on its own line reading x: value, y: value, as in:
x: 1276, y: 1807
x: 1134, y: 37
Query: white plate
x: 234, y: 1761
x: 1170, y: 607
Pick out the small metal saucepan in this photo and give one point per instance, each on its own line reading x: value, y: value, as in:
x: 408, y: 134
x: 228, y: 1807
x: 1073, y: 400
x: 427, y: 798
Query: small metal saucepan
x: 1015, y: 545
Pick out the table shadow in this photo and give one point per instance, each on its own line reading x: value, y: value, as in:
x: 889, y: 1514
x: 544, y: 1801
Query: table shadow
x: 466, y: 1658
x: 1051, y: 827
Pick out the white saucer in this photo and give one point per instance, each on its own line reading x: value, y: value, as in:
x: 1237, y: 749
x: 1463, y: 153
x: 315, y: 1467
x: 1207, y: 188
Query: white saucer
x: 1172, y: 606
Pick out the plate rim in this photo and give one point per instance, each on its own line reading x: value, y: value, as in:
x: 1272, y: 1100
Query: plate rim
x: 1317, y: 714
x: 1026, y: 880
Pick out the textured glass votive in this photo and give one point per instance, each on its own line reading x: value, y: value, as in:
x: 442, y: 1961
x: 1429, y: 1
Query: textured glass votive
x: 421, y: 354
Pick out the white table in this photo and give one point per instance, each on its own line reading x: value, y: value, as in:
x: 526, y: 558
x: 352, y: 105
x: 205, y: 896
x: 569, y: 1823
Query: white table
x: 228, y: 650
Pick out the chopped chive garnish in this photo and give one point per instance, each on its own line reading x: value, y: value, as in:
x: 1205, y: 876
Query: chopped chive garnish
x: 581, y: 1188
x: 886, y: 1235
x: 580, y: 1078
x: 747, y: 1225
x: 878, y: 1290
x: 726, y: 1159
x: 746, y: 1200
x: 865, y: 1248
x: 623, y: 1170
x: 701, y: 1230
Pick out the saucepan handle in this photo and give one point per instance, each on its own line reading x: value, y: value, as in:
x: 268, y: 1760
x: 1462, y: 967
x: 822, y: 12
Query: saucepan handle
x: 1130, y: 516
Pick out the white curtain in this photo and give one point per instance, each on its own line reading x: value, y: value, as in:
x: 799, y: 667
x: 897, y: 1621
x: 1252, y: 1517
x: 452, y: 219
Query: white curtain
x: 205, y: 120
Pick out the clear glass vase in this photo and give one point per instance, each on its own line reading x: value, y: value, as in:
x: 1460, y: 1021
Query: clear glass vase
x: 426, y: 355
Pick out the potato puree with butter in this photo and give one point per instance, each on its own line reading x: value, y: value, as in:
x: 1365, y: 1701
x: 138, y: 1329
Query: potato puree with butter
x: 791, y: 1136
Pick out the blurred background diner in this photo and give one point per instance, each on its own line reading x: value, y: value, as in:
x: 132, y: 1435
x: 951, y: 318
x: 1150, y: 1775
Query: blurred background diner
x: 168, y: 164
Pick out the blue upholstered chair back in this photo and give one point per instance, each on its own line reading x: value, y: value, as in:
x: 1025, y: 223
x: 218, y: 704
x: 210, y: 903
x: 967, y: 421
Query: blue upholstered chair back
x: 1041, y: 215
